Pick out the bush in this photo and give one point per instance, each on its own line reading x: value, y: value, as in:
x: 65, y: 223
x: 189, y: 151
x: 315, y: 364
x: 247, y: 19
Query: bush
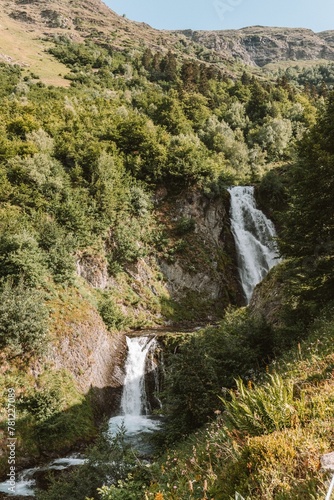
x: 20, y: 257
x: 185, y: 225
x: 111, y: 313
x: 23, y: 320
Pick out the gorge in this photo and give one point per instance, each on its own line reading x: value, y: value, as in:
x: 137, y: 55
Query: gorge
x: 119, y: 147
x: 254, y: 238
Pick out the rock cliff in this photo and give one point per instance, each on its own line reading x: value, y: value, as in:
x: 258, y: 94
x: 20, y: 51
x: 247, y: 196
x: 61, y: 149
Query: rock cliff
x: 207, y: 267
x: 83, y: 347
x: 259, y: 45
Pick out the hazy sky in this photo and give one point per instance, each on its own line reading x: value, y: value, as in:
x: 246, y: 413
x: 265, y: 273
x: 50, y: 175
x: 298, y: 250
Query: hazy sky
x: 225, y: 14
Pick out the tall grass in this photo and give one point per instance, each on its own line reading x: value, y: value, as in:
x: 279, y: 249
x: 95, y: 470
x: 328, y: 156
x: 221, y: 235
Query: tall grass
x: 261, y: 410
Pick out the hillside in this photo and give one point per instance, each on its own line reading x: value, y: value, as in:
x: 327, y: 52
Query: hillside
x: 260, y: 45
x: 28, y: 29
x: 119, y: 145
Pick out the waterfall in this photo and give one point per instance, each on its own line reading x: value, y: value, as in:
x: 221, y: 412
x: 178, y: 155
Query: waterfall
x: 133, y: 400
x: 254, y: 237
x: 134, y: 417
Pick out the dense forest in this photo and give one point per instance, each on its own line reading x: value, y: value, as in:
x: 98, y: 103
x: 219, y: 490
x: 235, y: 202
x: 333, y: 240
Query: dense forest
x: 248, y: 402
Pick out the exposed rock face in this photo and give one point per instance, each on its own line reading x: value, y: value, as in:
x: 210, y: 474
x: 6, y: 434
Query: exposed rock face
x: 212, y: 275
x: 94, y: 269
x: 259, y: 45
x: 93, y: 356
x: 179, y: 281
x: 205, y: 270
x: 328, y: 36
x: 267, y: 298
x: 327, y: 461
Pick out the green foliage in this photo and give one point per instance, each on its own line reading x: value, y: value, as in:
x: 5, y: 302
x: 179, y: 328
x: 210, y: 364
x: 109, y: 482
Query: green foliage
x: 316, y: 78
x: 109, y: 461
x: 109, y: 185
x: 308, y: 224
x: 185, y: 225
x: 188, y: 161
x: 43, y: 404
x: 79, y: 54
x: 311, y: 192
x: 272, y: 192
x: 10, y: 77
x: 209, y: 360
x: 111, y: 313
x: 275, y: 136
x: 21, y: 258
x: 23, y: 320
x: 59, y: 248
x: 261, y: 410
x: 126, y: 239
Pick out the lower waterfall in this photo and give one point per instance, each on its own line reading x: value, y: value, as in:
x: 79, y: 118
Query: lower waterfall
x: 254, y: 237
x: 135, y: 417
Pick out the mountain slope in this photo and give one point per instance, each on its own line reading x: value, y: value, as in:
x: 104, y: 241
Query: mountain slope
x: 258, y: 45
x: 28, y: 28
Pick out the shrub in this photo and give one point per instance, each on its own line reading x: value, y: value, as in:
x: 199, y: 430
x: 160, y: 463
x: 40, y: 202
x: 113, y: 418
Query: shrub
x: 23, y: 319
x: 111, y: 313
x: 20, y: 257
x: 185, y: 225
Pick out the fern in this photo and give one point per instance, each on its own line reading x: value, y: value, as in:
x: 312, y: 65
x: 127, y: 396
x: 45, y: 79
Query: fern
x: 261, y: 410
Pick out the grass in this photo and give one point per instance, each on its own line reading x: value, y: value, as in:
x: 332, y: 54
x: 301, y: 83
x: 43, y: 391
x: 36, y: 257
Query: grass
x: 300, y: 64
x: 278, y: 459
x: 25, y: 49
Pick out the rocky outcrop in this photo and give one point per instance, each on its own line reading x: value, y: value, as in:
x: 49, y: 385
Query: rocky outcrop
x: 259, y: 45
x: 268, y: 297
x: 328, y: 37
x: 327, y: 461
x: 95, y: 357
x: 93, y: 268
x: 207, y: 267
x: 196, y: 265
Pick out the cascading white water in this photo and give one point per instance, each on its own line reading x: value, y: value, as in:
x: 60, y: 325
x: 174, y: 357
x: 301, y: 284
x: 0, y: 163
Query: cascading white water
x: 134, y: 416
x: 26, y: 482
x: 254, y: 237
x: 134, y: 408
x: 133, y: 400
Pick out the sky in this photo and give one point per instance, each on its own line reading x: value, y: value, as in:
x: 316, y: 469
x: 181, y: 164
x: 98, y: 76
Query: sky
x: 228, y: 14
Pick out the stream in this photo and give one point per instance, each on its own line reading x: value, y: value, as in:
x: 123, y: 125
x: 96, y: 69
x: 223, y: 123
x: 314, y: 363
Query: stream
x: 134, y: 419
x: 254, y: 236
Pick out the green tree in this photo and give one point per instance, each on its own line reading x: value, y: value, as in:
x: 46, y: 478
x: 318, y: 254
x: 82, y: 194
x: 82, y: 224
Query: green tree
x: 275, y: 136
x: 309, y: 227
x: 308, y: 224
x: 23, y: 319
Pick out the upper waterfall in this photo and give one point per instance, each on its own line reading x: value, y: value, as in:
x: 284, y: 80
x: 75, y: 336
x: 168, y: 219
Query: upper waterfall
x: 254, y: 237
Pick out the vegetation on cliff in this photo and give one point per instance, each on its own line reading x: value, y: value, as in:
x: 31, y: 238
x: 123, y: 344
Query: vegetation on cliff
x: 90, y: 176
